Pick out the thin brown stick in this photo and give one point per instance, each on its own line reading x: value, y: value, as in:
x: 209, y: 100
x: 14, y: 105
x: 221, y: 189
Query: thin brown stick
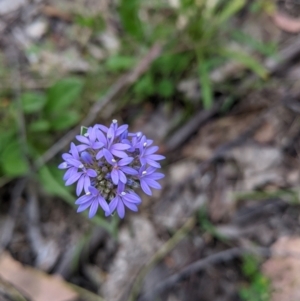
x: 116, y: 89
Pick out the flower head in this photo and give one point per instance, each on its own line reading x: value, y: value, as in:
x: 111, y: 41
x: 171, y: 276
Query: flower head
x: 109, y: 164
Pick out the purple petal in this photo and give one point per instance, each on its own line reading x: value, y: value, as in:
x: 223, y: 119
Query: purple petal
x: 108, y: 156
x: 97, y: 145
x: 73, y: 178
x: 83, y: 139
x: 74, y: 151
x: 121, y: 129
x: 92, y: 134
x: 132, y: 198
x: 157, y: 176
x: 152, y: 183
x: 93, y: 209
x: 80, y: 186
x: 113, y: 204
x: 122, y: 176
x: 120, y: 146
x: 84, y: 206
x: 94, y: 191
x: 125, y: 161
x: 110, y: 134
x: 156, y: 157
x: 151, y: 150
x: 103, y: 204
x: 91, y: 173
x: 101, y: 138
x: 119, y: 154
x: 74, y: 162
x: 100, y: 154
x: 151, y: 162
x: 87, y: 183
x: 69, y: 172
x: 145, y: 187
x: 129, y: 170
x: 87, y: 158
x: 150, y: 170
x: 66, y: 156
x: 83, y: 199
x: 121, y: 209
x: 115, y: 176
x: 142, y: 169
x: 131, y: 206
x: 82, y: 147
x: 121, y: 187
x: 102, y: 127
x: 63, y: 165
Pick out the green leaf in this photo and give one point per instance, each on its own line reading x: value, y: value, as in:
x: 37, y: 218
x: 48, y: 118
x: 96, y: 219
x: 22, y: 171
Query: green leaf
x: 248, y: 61
x: 39, y: 126
x: 13, y: 161
x: 246, y: 39
x: 120, y: 63
x: 64, y: 93
x: 83, y: 130
x: 53, y: 186
x: 165, y: 87
x: 94, y: 22
x: 7, y: 137
x: 231, y: 8
x: 65, y: 120
x: 33, y: 102
x: 145, y: 86
x: 129, y: 11
x: 205, y: 82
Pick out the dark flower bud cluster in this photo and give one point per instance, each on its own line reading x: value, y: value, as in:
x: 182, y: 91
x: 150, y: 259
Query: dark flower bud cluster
x: 108, y: 165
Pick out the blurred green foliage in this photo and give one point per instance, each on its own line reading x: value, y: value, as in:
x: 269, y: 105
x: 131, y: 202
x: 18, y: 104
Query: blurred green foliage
x: 45, y: 112
x: 259, y: 286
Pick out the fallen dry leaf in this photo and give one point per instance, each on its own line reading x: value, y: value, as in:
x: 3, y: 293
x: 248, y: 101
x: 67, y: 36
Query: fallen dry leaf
x: 286, y: 22
x: 37, y: 285
x: 284, y: 271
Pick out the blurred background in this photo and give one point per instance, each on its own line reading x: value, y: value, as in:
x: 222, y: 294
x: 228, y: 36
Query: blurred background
x: 216, y: 84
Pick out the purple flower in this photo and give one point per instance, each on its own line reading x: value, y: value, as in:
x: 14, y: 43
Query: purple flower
x: 116, y: 149
x: 109, y: 164
x: 148, y: 177
x: 73, y: 163
x: 92, y: 199
x: 83, y: 178
x: 122, y: 199
x: 89, y: 140
x: 147, y: 155
x: 114, y: 128
x: 119, y: 168
x: 134, y: 142
x: 71, y: 160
